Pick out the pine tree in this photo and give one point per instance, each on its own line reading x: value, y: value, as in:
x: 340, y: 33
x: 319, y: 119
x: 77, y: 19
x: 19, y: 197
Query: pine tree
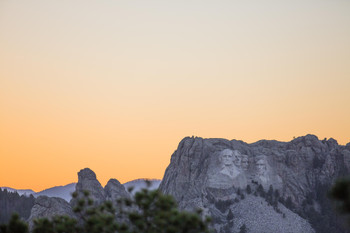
x: 243, y: 229
x: 277, y: 194
x: 260, y: 190
x: 14, y: 226
x: 229, y: 215
x: 289, y: 204
x: 148, y: 212
x: 249, y: 189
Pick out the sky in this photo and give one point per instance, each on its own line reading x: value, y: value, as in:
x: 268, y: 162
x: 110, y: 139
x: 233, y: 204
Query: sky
x: 114, y: 85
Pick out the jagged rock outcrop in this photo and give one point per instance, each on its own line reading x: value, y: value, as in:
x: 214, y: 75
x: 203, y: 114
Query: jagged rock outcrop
x: 209, y: 173
x: 87, y: 181
x: 115, y: 190
x: 47, y: 207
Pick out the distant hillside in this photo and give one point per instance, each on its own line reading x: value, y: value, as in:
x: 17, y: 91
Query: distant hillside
x: 64, y: 192
x: 139, y: 184
x: 20, y: 192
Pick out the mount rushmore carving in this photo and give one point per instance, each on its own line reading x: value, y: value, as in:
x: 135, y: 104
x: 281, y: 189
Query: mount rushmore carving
x: 267, y: 186
x: 214, y: 174
x: 232, y: 168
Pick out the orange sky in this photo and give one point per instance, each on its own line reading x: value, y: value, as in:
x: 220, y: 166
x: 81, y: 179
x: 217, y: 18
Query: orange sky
x: 115, y: 85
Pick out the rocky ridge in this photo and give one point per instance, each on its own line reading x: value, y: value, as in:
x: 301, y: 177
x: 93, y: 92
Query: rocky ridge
x: 114, y: 190
x: 51, y: 206
x: 267, y: 186
x: 87, y: 181
x: 48, y: 207
x: 204, y: 173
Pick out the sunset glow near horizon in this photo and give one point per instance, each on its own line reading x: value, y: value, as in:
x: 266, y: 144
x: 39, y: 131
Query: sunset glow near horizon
x: 115, y: 85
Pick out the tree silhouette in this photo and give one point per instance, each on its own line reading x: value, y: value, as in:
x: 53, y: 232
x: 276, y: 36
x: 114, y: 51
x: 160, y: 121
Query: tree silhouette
x: 148, y: 212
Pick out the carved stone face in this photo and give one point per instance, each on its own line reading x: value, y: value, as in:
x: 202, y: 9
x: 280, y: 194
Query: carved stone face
x: 244, y: 162
x: 261, y: 166
x: 238, y: 158
x: 227, y: 157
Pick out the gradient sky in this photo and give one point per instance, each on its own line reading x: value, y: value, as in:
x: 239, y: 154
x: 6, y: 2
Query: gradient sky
x: 115, y: 85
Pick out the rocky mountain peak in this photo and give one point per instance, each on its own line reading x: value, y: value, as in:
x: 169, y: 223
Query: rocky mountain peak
x: 86, y: 174
x: 211, y: 173
x: 115, y: 190
x: 87, y: 181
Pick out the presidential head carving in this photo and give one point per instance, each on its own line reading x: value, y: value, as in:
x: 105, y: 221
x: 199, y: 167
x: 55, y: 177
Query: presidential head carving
x: 238, y: 158
x: 229, y: 171
x: 244, y: 162
x: 227, y: 157
x: 261, y: 165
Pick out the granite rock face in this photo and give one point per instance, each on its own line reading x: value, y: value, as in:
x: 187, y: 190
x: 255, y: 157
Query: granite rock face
x: 205, y: 172
x: 87, y: 181
x: 47, y: 207
x: 115, y: 190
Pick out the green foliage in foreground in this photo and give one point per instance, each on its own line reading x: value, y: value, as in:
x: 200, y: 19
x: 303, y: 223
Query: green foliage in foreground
x: 14, y: 226
x: 148, y: 212
x: 341, y: 194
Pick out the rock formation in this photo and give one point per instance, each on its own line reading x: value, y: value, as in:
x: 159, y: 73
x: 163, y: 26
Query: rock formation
x: 213, y: 175
x: 259, y: 217
x: 47, y: 207
x: 87, y: 181
x: 267, y: 186
x: 115, y: 190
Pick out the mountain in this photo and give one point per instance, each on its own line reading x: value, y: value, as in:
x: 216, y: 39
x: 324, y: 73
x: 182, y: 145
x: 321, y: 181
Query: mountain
x: 48, y: 207
x: 267, y: 186
x: 21, y: 192
x: 87, y: 181
x: 64, y: 192
x: 139, y: 184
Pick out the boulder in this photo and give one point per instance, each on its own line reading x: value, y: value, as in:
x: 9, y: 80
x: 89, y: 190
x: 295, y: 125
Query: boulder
x: 114, y: 190
x: 87, y: 181
x: 47, y: 207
